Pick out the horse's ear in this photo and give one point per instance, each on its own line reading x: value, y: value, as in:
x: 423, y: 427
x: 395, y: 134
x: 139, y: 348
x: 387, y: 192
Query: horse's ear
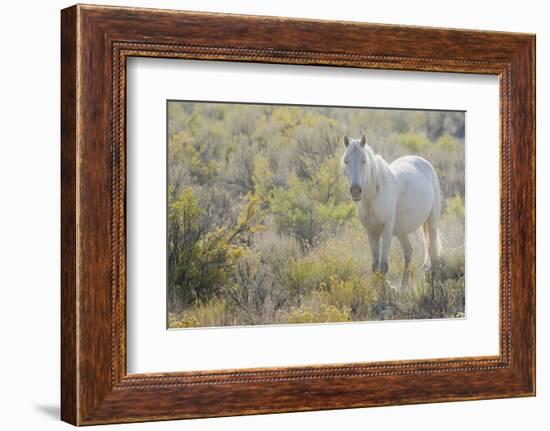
x: 346, y: 141
x: 363, y: 140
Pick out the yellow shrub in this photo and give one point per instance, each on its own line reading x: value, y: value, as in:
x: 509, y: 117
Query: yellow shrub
x: 354, y: 295
x: 326, y: 313
x: 211, y: 313
x: 182, y: 321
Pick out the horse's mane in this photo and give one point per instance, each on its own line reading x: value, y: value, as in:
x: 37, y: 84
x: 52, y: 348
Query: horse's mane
x: 379, y: 168
x: 375, y: 170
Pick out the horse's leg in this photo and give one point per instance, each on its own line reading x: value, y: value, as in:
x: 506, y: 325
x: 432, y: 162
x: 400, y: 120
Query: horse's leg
x: 374, y: 243
x: 387, y: 235
x: 407, y: 257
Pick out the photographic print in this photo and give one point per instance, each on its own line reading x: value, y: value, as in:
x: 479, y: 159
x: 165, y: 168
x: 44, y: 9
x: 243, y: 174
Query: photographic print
x: 291, y: 214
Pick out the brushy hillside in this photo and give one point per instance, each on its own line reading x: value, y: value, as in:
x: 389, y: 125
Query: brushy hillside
x: 261, y: 227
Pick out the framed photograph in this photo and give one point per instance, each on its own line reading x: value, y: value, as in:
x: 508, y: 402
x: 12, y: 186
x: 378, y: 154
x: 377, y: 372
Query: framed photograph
x: 264, y: 214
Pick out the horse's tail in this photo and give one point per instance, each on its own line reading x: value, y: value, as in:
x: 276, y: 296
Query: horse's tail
x: 424, y: 239
x: 432, y: 234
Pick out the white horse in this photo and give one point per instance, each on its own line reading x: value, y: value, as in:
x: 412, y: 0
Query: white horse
x: 393, y: 200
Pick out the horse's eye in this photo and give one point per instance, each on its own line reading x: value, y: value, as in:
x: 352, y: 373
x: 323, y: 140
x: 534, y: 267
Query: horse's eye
x: 345, y: 162
x: 364, y: 161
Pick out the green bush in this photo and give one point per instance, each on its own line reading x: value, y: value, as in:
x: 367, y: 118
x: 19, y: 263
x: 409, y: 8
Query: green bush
x: 447, y: 143
x: 201, y: 258
x: 435, y: 294
x: 355, y: 295
x: 312, y: 206
x: 338, y: 258
x: 414, y: 142
x: 455, y: 207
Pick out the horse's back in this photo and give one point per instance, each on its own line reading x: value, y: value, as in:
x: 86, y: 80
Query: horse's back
x: 412, y: 165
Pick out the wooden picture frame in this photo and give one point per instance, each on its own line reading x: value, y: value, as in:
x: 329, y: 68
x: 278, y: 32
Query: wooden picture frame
x: 95, y: 43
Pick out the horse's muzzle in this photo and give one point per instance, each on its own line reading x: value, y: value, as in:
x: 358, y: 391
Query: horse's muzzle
x: 355, y: 192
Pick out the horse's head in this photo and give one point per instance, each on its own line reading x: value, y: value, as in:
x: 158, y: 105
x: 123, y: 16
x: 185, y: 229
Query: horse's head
x: 354, y: 163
